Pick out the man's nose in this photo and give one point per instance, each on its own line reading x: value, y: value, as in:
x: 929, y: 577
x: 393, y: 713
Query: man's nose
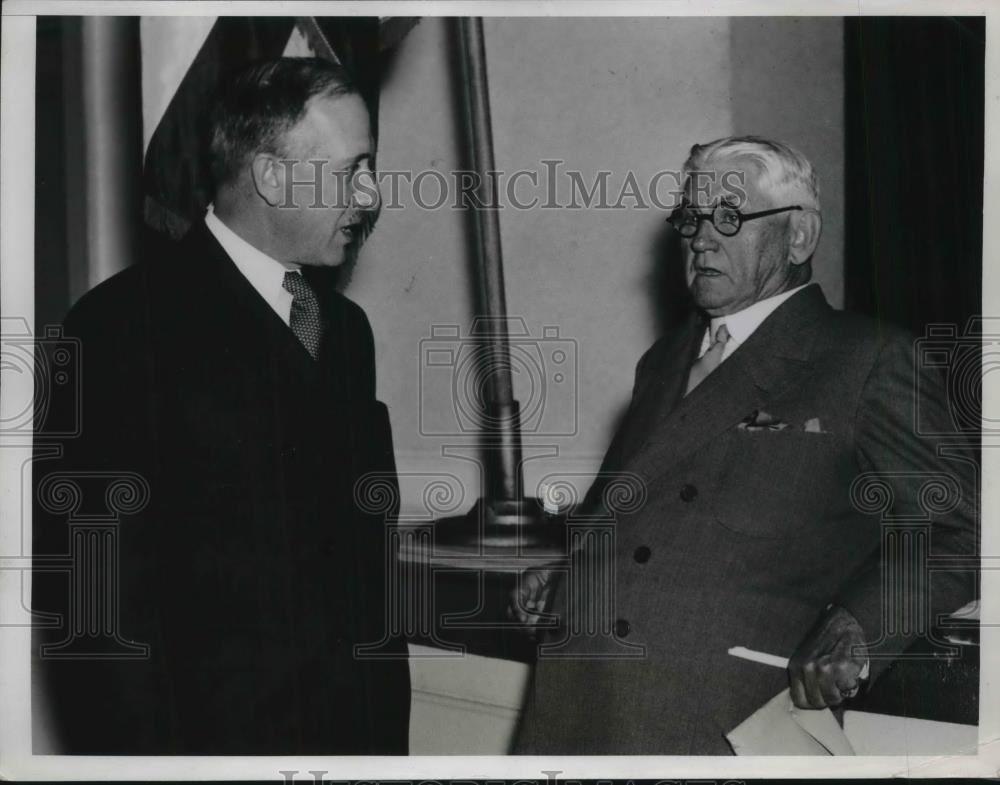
x: 365, y: 192
x: 704, y: 239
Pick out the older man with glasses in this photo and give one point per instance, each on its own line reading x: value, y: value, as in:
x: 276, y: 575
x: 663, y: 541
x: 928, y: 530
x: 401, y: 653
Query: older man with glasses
x: 749, y: 427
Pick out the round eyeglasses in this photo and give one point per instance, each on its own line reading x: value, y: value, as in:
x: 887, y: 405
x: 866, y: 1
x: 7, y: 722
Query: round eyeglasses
x: 726, y: 220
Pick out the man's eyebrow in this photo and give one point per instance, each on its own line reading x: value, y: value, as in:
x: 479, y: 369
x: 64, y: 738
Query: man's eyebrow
x: 348, y: 163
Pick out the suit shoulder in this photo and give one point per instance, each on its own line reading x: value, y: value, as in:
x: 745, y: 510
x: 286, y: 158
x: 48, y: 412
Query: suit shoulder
x: 866, y: 347
x: 111, y: 300
x: 859, y: 328
x: 658, y: 349
x: 126, y: 293
x: 663, y: 349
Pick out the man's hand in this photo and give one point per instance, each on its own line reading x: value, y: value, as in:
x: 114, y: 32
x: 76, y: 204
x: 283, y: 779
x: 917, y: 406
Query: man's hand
x: 530, y: 596
x: 826, y: 668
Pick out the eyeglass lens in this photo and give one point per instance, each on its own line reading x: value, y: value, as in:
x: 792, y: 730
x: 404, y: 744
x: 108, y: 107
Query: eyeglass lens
x: 726, y: 220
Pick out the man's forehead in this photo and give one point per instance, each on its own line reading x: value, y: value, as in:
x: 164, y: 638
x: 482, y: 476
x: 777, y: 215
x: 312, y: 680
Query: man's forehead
x: 729, y: 179
x: 337, y: 124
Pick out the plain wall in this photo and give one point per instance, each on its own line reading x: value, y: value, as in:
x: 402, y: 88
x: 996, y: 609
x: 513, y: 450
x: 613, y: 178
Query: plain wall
x: 615, y: 94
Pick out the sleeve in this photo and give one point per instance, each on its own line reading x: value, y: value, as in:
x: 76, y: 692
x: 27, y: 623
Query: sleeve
x: 926, y: 470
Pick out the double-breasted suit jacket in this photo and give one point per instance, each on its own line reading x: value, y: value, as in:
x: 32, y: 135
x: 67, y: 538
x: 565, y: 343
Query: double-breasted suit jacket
x: 749, y: 530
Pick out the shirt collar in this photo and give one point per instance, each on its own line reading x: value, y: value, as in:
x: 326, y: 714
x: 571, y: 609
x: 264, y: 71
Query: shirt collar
x: 742, y: 324
x: 264, y: 272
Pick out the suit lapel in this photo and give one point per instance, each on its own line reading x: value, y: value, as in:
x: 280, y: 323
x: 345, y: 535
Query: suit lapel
x: 236, y: 290
x: 774, y: 360
x: 660, y: 387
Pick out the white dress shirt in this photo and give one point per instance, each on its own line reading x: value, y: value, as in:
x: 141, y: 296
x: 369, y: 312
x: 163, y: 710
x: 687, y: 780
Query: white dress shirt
x: 742, y: 324
x: 265, y: 274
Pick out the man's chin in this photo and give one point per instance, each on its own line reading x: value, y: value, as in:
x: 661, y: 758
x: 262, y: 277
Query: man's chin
x: 710, y: 293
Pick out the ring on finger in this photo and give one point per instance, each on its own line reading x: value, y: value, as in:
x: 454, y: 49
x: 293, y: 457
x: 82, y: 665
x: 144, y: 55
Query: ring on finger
x: 850, y: 693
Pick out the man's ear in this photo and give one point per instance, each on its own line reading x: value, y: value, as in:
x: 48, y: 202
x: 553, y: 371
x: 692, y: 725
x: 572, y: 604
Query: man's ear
x: 268, y: 177
x: 805, y: 227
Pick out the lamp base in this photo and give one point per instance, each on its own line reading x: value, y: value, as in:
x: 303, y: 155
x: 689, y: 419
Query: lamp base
x: 498, y: 535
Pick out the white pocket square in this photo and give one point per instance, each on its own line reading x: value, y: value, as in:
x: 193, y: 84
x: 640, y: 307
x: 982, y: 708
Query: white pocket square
x: 812, y: 426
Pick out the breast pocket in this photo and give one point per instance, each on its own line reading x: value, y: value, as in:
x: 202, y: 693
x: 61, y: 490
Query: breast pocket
x: 774, y: 484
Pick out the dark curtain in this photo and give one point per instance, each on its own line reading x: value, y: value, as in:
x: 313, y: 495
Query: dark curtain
x: 914, y: 185
x: 915, y: 92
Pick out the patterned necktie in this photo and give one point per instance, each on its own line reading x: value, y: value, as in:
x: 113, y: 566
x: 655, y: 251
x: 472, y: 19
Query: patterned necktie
x: 306, y: 321
x: 710, y: 360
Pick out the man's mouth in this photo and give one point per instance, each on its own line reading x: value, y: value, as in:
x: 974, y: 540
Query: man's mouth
x: 709, y: 272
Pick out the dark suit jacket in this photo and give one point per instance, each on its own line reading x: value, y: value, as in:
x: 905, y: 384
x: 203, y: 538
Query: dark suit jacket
x: 750, y: 533
x: 251, y: 574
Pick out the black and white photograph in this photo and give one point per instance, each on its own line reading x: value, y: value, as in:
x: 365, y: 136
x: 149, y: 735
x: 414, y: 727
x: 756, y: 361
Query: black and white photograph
x: 547, y: 391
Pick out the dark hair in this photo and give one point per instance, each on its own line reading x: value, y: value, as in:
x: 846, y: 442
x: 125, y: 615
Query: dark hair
x: 260, y: 103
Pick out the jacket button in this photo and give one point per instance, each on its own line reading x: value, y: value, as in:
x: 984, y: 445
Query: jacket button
x: 688, y: 492
x: 622, y: 628
x: 642, y: 554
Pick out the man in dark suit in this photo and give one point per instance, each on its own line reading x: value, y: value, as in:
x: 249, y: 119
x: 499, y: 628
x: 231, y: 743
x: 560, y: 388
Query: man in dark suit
x: 754, y: 428
x: 228, y: 375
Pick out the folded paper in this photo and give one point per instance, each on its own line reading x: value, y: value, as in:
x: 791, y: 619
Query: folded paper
x: 780, y: 728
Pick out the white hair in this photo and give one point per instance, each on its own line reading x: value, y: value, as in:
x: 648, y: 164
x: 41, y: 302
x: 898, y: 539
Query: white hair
x: 784, y: 172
